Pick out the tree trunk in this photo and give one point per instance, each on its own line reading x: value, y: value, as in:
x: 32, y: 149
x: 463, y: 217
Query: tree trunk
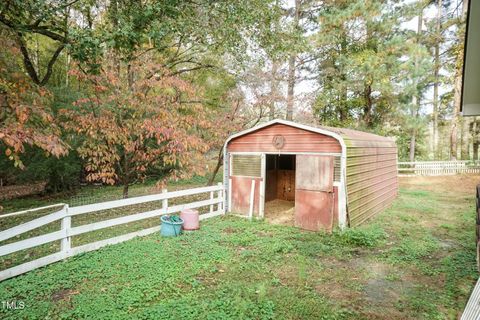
x: 435, y: 103
x: 115, y: 53
x: 273, y: 91
x: 343, y: 78
x: 217, y: 167
x: 416, y: 98
x: 367, y: 109
x: 436, y: 82
x: 125, y: 189
x: 413, y: 138
x: 462, y: 139
x: 67, y: 55
x: 130, y: 76
x: 125, y: 178
x: 220, y: 152
x: 291, y: 68
x: 457, y: 96
x: 67, y: 70
x: 466, y: 138
x: 413, y: 134
x: 475, y: 138
x: 456, y: 115
x: 125, y: 174
x: 36, y: 57
x: 291, y: 86
x: 453, y: 138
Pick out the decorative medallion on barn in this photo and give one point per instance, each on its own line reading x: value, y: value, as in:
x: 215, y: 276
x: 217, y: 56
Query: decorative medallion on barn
x: 278, y: 141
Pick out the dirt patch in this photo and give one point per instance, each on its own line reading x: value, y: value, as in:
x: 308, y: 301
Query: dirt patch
x: 64, y: 295
x: 240, y: 249
x: 379, y: 290
x: 462, y: 183
x: 341, y: 281
x: 447, y: 244
x: 229, y: 230
x: 265, y: 234
x: 369, y: 287
x: 280, y: 212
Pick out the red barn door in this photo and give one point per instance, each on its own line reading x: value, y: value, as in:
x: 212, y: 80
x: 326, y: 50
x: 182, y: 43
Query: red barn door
x: 314, y: 192
x: 246, y: 168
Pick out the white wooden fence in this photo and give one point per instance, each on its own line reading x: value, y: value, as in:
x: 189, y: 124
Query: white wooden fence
x: 438, y: 168
x: 66, y: 231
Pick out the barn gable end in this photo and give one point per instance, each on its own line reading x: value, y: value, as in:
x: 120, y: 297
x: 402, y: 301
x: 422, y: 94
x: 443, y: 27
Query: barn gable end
x: 296, y: 140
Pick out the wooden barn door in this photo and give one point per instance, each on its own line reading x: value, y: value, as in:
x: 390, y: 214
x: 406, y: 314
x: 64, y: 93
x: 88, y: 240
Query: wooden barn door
x: 314, y: 192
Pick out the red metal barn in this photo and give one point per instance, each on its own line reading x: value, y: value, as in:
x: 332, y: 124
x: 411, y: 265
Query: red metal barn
x: 331, y: 176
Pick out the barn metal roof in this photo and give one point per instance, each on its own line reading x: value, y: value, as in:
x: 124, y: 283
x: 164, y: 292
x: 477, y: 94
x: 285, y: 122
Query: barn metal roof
x: 351, y: 138
x: 355, y: 138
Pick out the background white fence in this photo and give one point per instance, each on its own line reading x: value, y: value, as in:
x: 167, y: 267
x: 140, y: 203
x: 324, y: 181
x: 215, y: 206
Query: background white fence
x: 438, y: 168
x: 66, y: 232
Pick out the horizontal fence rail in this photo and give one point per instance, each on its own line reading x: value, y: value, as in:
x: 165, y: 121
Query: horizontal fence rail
x: 31, y: 210
x: 438, y: 168
x: 66, y: 232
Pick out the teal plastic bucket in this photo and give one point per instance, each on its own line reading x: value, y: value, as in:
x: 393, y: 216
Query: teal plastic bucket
x: 170, y: 228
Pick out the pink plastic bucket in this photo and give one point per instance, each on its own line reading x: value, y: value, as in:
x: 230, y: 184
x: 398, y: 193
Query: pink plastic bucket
x: 190, y: 219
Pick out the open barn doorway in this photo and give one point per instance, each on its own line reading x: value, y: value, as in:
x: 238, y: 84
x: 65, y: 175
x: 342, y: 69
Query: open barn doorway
x: 280, y: 189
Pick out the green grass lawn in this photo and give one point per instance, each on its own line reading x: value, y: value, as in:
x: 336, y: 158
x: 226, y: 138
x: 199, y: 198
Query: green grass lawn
x: 414, y: 261
x: 88, y: 195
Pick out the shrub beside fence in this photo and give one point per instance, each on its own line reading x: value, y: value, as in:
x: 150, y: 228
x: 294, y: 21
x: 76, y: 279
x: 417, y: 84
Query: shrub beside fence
x: 17, y: 191
x: 66, y: 232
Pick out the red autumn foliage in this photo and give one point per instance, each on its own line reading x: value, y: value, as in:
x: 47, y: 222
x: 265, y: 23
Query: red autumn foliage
x: 129, y: 128
x: 25, y: 117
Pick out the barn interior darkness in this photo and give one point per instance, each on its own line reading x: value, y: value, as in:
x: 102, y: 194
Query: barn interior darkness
x: 280, y: 189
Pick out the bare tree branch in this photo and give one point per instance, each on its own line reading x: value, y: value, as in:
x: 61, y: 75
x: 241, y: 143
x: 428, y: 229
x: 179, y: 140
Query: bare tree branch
x: 27, y: 62
x: 52, y: 61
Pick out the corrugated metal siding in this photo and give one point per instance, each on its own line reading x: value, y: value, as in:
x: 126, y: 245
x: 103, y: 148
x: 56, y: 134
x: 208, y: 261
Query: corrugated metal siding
x: 371, y: 173
x: 296, y: 140
x: 371, y: 178
x: 369, y: 192
x: 335, y: 206
x: 337, y: 171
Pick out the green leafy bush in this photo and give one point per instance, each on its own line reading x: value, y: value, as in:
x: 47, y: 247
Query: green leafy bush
x: 61, y: 174
x: 370, y: 236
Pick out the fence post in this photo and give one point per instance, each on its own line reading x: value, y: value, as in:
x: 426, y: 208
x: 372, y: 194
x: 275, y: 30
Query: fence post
x: 220, y: 198
x: 211, y: 198
x: 165, y: 202
x: 66, y: 224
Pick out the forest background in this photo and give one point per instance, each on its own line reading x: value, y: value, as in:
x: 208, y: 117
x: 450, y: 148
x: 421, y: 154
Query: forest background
x: 117, y: 91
